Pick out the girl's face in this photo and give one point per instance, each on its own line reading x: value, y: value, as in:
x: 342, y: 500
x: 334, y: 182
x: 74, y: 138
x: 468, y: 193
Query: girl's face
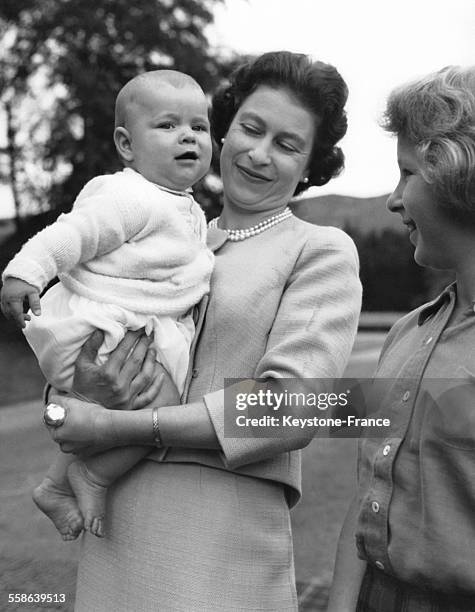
x: 430, y: 229
x: 266, y: 151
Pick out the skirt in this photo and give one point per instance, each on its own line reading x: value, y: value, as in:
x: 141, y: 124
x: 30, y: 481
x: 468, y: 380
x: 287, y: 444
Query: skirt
x: 383, y: 593
x: 186, y: 537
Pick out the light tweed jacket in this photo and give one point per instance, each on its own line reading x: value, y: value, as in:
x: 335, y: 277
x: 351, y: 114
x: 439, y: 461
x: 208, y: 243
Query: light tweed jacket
x: 283, y: 304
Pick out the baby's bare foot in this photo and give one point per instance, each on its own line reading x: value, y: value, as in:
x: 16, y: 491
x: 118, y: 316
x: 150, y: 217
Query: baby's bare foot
x: 91, y: 496
x: 60, y: 506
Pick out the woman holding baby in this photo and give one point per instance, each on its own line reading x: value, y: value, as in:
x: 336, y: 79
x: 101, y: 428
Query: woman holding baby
x: 203, y: 523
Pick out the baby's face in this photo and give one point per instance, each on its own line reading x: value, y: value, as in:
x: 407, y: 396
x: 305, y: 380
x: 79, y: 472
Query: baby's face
x: 170, y: 136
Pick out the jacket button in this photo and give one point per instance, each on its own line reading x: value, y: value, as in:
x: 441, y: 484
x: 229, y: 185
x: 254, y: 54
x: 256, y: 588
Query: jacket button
x: 194, y: 373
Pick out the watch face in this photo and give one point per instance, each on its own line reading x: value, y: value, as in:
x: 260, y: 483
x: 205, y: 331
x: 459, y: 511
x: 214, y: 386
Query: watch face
x: 54, y: 414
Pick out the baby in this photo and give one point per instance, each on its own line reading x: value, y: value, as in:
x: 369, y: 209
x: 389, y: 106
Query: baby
x: 131, y: 254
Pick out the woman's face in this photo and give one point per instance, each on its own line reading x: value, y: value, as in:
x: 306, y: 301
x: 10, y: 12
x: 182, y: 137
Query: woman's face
x: 266, y: 151
x: 430, y: 229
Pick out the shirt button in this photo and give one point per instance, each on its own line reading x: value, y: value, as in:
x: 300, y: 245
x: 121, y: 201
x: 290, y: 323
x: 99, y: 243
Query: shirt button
x: 379, y: 565
x: 406, y: 396
x: 375, y: 506
x: 386, y: 450
x: 194, y: 373
x: 429, y: 340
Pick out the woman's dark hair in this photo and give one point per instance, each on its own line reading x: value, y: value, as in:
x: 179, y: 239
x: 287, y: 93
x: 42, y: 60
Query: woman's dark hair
x: 318, y: 86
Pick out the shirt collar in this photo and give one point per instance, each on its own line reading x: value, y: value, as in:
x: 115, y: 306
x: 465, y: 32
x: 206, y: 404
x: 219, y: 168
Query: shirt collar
x: 186, y: 192
x: 215, y: 238
x: 432, y: 307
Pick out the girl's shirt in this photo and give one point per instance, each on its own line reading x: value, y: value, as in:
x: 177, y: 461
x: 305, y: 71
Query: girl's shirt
x: 417, y: 484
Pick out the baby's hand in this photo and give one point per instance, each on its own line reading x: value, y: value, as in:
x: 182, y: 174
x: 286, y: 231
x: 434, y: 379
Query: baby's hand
x: 14, y: 293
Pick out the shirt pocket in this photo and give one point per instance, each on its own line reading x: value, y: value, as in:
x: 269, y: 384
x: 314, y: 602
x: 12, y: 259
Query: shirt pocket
x: 450, y: 419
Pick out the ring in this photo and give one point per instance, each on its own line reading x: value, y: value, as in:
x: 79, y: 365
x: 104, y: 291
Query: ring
x: 54, y: 415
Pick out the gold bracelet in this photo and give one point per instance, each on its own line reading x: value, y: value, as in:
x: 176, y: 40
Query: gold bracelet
x: 157, y: 438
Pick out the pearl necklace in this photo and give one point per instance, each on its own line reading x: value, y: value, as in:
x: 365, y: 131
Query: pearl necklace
x: 236, y: 235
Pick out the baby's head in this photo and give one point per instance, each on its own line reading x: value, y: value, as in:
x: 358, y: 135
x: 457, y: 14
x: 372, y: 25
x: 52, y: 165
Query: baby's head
x: 162, y: 128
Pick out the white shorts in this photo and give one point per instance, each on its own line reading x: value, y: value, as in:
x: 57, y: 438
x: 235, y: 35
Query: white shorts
x: 67, y: 320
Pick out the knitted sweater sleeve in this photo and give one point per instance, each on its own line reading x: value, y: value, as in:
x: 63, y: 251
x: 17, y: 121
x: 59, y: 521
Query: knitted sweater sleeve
x: 102, y: 219
x: 311, y: 338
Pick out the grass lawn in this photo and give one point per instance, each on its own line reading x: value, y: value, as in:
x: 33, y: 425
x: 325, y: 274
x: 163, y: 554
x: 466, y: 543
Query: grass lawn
x: 33, y: 557
x: 21, y: 378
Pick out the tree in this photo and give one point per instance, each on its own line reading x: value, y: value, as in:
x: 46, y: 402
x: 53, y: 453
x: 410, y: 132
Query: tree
x: 80, y: 53
x: 391, y: 279
x: 12, y: 89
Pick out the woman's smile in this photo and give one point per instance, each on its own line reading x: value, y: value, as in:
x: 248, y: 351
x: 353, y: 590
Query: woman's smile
x: 266, y: 151
x: 411, y: 226
x: 253, y: 175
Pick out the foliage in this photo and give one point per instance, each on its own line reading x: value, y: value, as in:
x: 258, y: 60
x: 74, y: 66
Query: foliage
x: 392, y: 281
x: 78, y: 54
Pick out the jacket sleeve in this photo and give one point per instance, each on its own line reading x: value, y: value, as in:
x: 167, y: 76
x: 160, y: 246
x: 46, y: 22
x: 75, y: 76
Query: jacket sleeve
x: 100, y: 222
x: 311, y: 338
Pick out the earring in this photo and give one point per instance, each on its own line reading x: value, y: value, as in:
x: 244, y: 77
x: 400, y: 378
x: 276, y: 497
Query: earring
x: 222, y: 140
x: 305, y: 179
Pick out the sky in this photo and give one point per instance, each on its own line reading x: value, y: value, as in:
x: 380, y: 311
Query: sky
x: 375, y: 45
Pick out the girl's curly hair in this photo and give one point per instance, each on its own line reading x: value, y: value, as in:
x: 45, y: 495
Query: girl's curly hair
x: 437, y: 115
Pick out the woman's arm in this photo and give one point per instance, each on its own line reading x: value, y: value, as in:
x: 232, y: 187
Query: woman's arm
x: 89, y: 428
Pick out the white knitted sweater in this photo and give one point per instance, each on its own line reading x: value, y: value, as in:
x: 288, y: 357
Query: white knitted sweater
x: 126, y: 242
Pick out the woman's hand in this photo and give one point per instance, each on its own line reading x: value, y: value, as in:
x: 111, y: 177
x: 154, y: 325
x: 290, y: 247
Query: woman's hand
x: 130, y: 378
x: 87, y: 427
x: 162, y: 392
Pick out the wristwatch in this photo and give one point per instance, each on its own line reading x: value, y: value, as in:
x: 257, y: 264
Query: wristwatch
x: 54, y: 415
